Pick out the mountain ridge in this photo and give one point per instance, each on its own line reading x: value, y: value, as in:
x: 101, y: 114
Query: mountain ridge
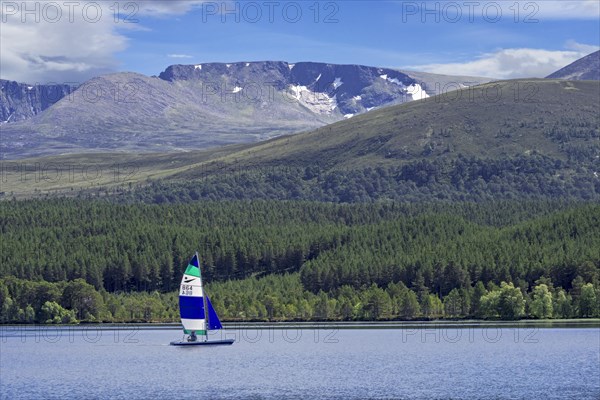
x: 586, y: 68
x: 205, y: 105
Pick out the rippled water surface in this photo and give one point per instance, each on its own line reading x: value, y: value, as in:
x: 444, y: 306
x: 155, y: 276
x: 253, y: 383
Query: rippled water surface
x: 433, y: 363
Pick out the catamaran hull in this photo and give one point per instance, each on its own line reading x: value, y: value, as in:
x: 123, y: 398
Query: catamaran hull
x: 200, y: 343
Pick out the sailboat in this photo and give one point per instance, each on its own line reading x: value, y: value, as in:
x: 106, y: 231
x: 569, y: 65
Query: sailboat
x: 197, y: 313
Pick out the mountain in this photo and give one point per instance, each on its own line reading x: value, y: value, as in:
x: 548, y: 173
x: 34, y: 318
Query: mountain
x: 206, y: 105
x: 503, y: 140
x: 584, y: 69
x: 553, y: 118
x: 435, y: 84
x: 19, y: 101
x: 520, y: 139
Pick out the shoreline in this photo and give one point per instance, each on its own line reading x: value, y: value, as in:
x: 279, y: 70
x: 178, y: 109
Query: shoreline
x: 462, y: 324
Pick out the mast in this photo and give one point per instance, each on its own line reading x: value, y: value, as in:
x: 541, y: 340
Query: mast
x: 203, y: 300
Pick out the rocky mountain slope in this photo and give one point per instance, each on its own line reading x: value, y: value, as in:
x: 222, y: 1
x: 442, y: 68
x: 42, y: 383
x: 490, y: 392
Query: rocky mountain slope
x: 586, y: 69
x: 204, y: 105
x: 20, y: 101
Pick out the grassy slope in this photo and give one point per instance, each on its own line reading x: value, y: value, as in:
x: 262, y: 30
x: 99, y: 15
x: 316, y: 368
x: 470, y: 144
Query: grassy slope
x: 461, y: 122
x: 62, y: 173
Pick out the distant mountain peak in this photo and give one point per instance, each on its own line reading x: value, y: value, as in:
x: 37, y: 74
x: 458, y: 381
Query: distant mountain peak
x: 349, y: 88
x: 584, y: 69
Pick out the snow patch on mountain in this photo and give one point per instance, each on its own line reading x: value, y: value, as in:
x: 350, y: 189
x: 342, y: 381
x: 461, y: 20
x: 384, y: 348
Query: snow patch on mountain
x: 8, y: 119
x: 337, y: 83
x: 417, y: 92
x: 319, y: 103
x: 297, y: 90
x: 391, y: 80
x: 197, y: 66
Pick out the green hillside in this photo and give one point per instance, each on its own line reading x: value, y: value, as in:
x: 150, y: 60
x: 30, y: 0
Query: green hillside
x: 520, y: 138
x: 503, y: 119
x: 537, y: 139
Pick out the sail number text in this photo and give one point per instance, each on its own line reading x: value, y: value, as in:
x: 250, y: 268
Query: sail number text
x: 186, y: 290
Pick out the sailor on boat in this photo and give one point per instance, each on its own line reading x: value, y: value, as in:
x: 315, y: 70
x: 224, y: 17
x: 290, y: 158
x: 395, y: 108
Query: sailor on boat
x: 192, y: 337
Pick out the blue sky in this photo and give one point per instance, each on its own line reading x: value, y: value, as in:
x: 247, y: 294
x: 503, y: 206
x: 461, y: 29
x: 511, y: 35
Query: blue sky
x: 486, y: 39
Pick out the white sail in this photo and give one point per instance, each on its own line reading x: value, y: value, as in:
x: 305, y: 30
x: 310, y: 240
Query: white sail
x: 191, y: 299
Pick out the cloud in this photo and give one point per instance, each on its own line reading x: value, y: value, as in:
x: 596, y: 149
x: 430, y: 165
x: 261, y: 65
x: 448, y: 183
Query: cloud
x: 513, y: 63
x: 71, y: 41
x: 70, y: 49
x: 580, y: 47
x: 179, y: 56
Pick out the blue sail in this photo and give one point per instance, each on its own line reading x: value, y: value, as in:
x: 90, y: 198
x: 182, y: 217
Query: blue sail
x: 213, y: 318
x: 191, y: 307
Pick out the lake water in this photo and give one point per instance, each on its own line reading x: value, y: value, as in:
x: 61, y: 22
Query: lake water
x: 402, y: 363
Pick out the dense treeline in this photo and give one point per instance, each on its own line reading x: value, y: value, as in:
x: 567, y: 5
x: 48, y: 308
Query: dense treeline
x: 282, y: 297
x: 459, y: 179
x: 443, y: 252
x: 65, y: 260
x: 141, y: 247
